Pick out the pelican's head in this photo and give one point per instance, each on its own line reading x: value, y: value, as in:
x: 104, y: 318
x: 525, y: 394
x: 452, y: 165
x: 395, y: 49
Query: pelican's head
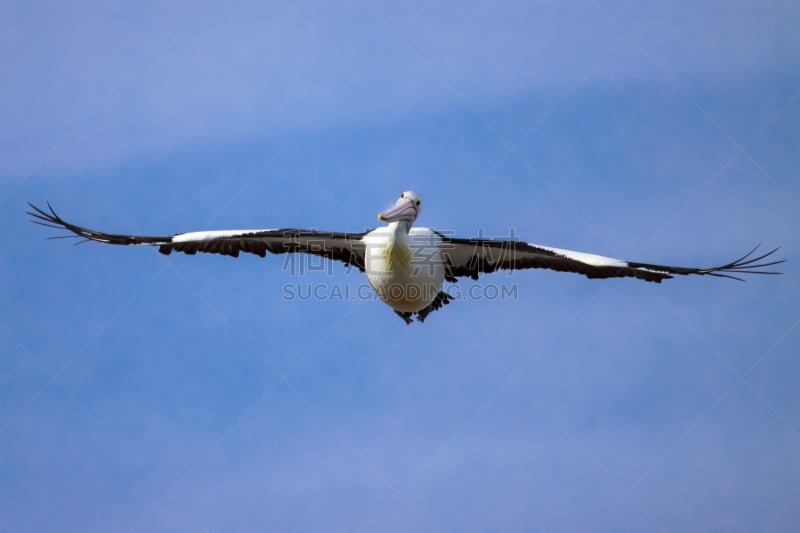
x: 405, y: 209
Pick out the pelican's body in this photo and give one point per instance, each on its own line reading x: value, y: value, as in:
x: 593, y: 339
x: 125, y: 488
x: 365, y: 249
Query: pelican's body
x: 405, y: 269
x: 407, y: 266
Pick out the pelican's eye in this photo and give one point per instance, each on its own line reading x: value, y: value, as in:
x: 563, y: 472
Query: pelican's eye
x: 417, y: 201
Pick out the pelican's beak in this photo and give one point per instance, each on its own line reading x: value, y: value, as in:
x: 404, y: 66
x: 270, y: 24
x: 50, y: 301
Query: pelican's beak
x: 403, y: 209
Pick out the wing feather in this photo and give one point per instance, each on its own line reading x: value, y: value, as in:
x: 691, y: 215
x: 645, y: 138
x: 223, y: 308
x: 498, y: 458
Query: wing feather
x: 345, y: 247
x: 472, y: 257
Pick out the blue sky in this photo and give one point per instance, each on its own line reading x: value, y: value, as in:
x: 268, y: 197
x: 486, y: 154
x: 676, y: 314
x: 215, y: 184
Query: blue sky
x: 144, y: 393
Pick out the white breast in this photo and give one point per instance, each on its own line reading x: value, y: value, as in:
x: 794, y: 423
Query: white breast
x: 405, y: 270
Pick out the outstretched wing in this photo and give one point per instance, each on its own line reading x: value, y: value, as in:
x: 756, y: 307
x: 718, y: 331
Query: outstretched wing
x: 472, y: 257
x: 345, y: 247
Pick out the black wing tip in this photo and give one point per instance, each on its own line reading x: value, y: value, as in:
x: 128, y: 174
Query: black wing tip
x: 44, y: 218
x: 746, y: 265
x: 50, y: 219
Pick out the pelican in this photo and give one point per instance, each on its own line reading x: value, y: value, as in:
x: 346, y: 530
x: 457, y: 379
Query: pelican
x: 406, y: 265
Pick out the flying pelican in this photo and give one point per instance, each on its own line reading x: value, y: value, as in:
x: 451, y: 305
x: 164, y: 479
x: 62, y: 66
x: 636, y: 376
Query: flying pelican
x: 406, y: 265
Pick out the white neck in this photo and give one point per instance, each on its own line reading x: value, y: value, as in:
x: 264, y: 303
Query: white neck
x: 399, y: 230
